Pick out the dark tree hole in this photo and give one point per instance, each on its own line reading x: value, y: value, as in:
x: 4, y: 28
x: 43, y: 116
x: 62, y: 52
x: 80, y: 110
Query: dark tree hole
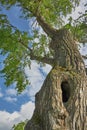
x: 86, y: 70
x: 65, y: 91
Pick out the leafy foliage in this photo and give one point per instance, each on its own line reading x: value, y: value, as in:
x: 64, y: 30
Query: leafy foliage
x: 17, y: 45
x: 19, y: 126
x: 50, y: 9
x: 17, y: 55
x: 78, y: 27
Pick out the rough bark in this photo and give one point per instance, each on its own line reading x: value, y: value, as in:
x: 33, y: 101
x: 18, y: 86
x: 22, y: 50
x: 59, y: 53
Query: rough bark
x: 61, y: 102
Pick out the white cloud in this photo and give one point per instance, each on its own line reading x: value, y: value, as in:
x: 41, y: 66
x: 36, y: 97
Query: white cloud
x: 1, y: 95
x: 11, y: 92
x: 27, y: 110
x: 75, y: 13
x: 46, y: 69
x: 36, y: 77
x: 83, y: 51
x: 80, y: 8
x: 4, y: 120
x: 10, y: 99
x: 7, y: 120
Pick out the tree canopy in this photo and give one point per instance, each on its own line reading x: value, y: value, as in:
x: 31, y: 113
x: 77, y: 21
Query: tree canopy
x: 20, y: 47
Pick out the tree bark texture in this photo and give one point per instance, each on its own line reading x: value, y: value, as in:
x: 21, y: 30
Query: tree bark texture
x: 61, y: 102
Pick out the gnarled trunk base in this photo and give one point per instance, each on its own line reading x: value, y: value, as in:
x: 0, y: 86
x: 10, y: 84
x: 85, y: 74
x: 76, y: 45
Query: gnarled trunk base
x: 61, y: 102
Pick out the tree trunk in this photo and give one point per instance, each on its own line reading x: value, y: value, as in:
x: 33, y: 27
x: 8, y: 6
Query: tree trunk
x: 61, y: 102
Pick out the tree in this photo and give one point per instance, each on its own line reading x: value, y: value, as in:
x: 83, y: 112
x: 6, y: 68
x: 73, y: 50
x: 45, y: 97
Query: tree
x: 61, y: 102
x: 19, y: 126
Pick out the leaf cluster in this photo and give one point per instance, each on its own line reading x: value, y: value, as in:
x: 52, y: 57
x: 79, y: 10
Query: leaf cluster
x: 19, y: 126
x: 53, y: 11
x: 78, y: 27
x: 17, y: 45
x: 17, y: 56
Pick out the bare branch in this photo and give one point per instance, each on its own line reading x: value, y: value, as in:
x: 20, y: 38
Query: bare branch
x: 85, y: 57
x: 46, y: 60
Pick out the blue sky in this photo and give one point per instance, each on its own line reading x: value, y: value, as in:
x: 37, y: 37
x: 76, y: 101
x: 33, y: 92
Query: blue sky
x: 15, y: 108
x: 6, y: 99
x: 14, y: 101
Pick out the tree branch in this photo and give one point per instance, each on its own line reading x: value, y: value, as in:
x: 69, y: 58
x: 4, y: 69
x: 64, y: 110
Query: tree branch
x: 83, y: 40
x: 46, y: 27
x: 85, y: 57
x: 38, y: 58
x: 48, y: 30
x: 21, y: 42
x: 46, y: 60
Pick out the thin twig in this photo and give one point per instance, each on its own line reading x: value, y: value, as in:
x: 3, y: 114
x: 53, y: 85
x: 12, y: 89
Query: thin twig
x: 85, y: 57
x: 24, y: 45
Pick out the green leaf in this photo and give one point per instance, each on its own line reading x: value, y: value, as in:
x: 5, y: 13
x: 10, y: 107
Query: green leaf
x: 17, y: 53
x: 19, y: 126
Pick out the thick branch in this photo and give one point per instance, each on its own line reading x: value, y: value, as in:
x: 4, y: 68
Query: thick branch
x: 46, y: 27
x: 46, y: 60
x: 48, y: 30
x: 38, y: 58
